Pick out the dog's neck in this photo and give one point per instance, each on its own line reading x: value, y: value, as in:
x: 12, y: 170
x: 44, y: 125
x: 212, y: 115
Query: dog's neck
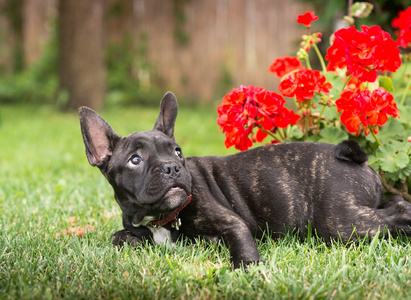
x: 171, y: 218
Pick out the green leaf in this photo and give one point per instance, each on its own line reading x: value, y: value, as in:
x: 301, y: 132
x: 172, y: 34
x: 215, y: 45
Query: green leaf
x: 330, y: 113
x: 388, y: 164
x: 385, y: 150
x: 390, y: 160
x: 296, y: 133
x: 332, y: 135
x: 373, y: 162
x: 405, y: 112
x: 386, y: 83
x: 400, y: 174
x: 403, y: 145
x: 390, y: 130
x: 401, y: 160
x: 361, y: 9
x: 404, y: 172
x: 336, y: 82
x: 385, y: 154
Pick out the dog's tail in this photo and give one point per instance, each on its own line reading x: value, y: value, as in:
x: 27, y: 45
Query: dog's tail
x: 349, y: 150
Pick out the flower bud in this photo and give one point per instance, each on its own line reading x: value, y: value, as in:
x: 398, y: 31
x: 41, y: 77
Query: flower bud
x: 409, y: 139
x: 349, y: 20
x: 376, y: 129
x: 302, y: 54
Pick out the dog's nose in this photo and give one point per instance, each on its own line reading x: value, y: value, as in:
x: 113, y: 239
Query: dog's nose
x: 170, y: 170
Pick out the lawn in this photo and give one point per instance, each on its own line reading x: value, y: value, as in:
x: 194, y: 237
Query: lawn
x: 47, y: 186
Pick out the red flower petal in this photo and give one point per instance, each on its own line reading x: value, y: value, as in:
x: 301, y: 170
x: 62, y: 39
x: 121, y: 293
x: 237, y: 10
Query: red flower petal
x: 360, y: 106
x: 363, y: 53
x: 307, y: 18
x: 284, y: 65
x: 248, y: 108
x: 303, y: 84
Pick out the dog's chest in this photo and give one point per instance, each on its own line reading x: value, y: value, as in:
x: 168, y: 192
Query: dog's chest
x: 161, y: 235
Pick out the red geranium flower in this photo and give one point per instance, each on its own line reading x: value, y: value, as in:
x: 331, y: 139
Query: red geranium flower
x: 403, y: 23
x: 359, y: 107
x: 283, y: 65
x: 363, y: 53
x: 307, y: 18
x: 303, y: 84
x: 250, y: 107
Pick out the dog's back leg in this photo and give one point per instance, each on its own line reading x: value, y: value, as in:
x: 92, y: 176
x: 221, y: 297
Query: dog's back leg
x: 393, y: 215
x: 357, y: 221
x: 398, y: 214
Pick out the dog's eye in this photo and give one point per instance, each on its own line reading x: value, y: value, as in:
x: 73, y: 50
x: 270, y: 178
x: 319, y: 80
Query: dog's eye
x: 178, y: 152
x: 135, y: 160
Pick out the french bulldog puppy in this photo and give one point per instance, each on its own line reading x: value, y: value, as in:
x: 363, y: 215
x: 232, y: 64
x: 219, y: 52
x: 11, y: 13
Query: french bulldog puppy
x: 163, y: 194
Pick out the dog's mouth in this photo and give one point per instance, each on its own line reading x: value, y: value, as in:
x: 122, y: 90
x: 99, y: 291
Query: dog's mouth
x: 174, y: 189
x: 172, y: 199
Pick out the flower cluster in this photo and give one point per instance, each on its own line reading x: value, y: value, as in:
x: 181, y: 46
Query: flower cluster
x: 250, y: 107
x: 310, y: 39
x: 303, y: 84
x: 403, y: 23
x: 363, y: 110
x: 355, y: 57
x: 284, y: 65
x: 363, y: 53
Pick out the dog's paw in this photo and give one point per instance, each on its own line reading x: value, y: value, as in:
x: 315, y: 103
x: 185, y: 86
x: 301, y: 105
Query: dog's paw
x: 245, y: 264
x: 125, y: 236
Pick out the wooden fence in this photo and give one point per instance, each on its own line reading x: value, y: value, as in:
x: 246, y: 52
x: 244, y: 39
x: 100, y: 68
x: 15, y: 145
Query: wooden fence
x: 229, y: 42
x: 199, y: 49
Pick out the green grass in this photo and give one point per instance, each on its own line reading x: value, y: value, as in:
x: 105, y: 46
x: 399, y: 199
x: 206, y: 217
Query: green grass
x: 45, y: 179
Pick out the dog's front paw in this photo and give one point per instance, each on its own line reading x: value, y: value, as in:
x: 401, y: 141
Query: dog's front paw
x: 125, y: 236
x: 245, y: 264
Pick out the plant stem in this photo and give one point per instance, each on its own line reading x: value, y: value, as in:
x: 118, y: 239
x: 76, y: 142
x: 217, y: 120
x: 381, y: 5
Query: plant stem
x: 372, y: 162
x: 270, y: 133
x: 285, y: 133
x: 407, y: 88
x: 392, y: 189
x: 279, y: 133
x: 308, y: 63
x: 317, y: 130
x: 345, y: 83
x: 307, y: 124
x: 349, y: 8
x: 403, y: 73
x: 375, y: 137
x: 320, y: 57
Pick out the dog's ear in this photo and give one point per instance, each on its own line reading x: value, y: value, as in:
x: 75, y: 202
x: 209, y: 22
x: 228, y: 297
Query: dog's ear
x: 99, y: 138
x: 168, y: 115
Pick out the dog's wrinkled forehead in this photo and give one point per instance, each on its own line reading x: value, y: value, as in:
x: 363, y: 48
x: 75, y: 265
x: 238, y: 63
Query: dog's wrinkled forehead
x: 145, y: 142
